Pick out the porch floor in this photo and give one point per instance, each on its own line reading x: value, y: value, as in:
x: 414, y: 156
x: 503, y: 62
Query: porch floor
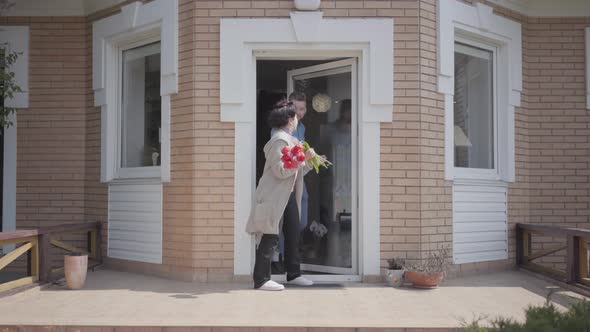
x: 112, y: 298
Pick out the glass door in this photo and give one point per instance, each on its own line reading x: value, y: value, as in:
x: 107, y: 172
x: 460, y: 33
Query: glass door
x: 329, y: 242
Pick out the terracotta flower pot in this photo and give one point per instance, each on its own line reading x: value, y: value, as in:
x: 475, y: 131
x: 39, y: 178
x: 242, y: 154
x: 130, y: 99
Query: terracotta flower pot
x: 395, y: 278
x: 75, y: 268
x: 424, y: 279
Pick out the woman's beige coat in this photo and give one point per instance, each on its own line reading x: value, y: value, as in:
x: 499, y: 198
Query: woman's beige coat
x: 275, y: 187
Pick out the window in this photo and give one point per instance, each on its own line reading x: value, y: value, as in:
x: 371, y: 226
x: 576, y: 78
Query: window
x: 480, y: 74
x: 474, y: 119
x: 134, y: 74
x: 140, y: 115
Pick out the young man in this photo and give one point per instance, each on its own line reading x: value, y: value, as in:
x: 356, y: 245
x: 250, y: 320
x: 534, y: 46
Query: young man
x: 300, y: 102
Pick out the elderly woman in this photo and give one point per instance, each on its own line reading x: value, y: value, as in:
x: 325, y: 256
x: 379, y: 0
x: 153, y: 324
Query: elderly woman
x: 278, y: 199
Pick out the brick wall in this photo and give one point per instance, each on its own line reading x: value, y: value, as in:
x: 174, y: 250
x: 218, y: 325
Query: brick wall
x: 51, y: 132
x: 552, y: 127
x: 559, y: 126
x: 59, y: 136
x: 519, y: 191
x: 400, y: 213
x: 198, y: 217
x: 180, y: 227
x: 436, y: 209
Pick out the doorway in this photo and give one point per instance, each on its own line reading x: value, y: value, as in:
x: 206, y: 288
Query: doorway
x: 329, y: 227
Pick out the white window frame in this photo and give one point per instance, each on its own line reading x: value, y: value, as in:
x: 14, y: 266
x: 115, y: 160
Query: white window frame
x: 479, y: 23
x: 131, y: 172
x: 480, y: 173
x: 136, y: 23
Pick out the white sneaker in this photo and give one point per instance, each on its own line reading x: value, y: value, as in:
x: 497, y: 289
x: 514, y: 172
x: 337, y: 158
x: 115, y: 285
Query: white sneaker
x: 301, y: 281
x: 271, y: 286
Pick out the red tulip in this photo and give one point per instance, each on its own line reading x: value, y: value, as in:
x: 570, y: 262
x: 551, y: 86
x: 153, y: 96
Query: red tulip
x: 300, y: 156
x: 285, y: 150
x: 297, y: 149
x: 290, y: 164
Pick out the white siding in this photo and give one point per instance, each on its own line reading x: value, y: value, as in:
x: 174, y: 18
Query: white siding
x: 479, y: 222
x: 135, y: 222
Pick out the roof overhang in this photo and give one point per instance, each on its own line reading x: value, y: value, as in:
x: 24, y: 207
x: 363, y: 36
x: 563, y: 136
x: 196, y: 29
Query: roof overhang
x: 59, y: 7
x: 547, y: 8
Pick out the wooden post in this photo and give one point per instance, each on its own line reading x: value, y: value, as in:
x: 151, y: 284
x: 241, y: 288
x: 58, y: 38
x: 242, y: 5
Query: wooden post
x: 44, y: 253
x: 29, y: 262
x: 526, y: 246
x: 34, y: 272
x: 519, y: 246
x: 97, y: 244
x: 583, y: 258
x: 89, y: 243
x: 573, y: 259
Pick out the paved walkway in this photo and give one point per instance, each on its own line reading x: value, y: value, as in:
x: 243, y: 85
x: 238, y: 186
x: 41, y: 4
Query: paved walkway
x: 123, y: 299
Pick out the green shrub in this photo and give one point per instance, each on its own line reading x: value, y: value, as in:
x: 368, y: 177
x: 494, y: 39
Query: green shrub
x: 545, y: 318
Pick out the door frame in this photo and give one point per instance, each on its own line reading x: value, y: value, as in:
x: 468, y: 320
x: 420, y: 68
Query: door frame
x: 321, y: 70
x: 307, y: 36
x: 362, y: 244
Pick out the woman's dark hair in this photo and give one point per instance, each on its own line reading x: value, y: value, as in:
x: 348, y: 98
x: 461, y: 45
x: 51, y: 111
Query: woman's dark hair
x: 280, y: 115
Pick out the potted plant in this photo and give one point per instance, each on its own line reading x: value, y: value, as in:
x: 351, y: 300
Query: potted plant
x: 395, y: 272
x: 430, y: 272
x: 75, y: 267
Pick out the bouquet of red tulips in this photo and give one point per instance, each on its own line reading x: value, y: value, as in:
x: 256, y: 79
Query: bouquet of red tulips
x: 293, y: 156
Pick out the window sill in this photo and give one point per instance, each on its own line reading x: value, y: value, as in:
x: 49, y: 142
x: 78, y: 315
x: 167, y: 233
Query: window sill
x: 461, y: 173
x: 138, y: 173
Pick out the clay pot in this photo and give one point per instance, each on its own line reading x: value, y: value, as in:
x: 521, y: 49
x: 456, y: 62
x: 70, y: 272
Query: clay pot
x: 307, y: 4
x: 424, y: 279
x: 395, y: 278
x: 75, y: 267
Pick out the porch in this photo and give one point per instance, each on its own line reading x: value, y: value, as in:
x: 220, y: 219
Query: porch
x: 112, y: 299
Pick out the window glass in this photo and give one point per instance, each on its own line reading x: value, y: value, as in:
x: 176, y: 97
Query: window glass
x: 473, y: 107
x: 141, y: 116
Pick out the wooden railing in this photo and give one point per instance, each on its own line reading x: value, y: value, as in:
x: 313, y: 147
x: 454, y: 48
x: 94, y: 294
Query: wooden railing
x: 37, y: 244
x: 576, y: 247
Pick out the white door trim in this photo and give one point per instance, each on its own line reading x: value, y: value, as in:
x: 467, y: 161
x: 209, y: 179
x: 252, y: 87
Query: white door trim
x: 324, y: 69
x: 306, y: 35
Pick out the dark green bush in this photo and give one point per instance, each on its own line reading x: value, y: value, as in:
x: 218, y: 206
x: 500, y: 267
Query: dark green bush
x: 545, y: 318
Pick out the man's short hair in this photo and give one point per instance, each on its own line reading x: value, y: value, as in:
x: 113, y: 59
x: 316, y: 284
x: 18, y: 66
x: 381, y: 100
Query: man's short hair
x: 297, y: 96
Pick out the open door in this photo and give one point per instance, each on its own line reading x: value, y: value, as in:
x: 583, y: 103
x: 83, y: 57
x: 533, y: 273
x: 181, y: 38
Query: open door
x: 329, y: 242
